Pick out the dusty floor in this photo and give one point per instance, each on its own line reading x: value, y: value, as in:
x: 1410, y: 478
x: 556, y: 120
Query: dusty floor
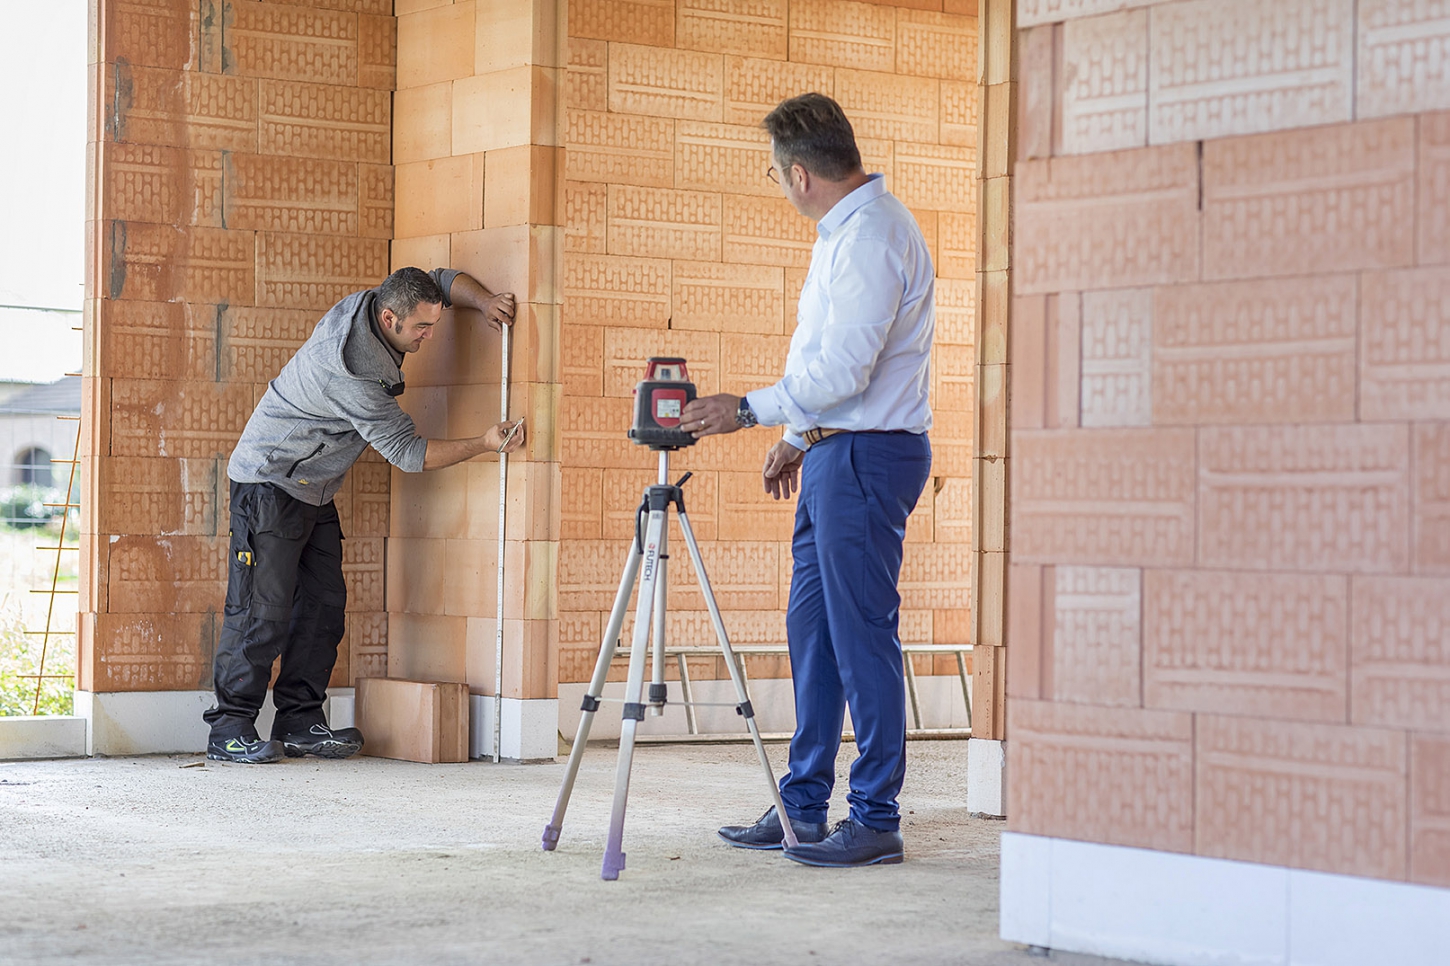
x: 167, y: 860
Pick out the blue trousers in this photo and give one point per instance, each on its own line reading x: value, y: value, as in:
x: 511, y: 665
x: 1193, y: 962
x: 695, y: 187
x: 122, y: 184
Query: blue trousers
x: 857, y: 490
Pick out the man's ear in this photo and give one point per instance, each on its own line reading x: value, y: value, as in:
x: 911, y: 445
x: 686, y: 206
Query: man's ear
x: 386, y: 317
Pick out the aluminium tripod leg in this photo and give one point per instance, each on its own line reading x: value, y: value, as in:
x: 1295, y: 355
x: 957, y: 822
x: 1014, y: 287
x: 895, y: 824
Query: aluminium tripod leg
x: 650, y: 584
x: 737, y: 676
x: 591, y: 695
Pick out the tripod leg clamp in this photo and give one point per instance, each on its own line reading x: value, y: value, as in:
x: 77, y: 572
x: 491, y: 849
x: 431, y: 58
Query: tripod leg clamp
x: 744, y: 709
x: 590, y: 703
x: 659, y: 693
x: 633, y: 710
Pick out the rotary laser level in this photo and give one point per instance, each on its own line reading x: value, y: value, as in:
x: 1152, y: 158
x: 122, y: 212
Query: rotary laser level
x: 659, y: 402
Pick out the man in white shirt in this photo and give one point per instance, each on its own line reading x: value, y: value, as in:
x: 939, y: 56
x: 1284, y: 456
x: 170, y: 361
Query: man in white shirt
x: 853, y: 401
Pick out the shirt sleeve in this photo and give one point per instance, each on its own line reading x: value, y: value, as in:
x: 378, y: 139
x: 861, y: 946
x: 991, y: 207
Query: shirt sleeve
x: 379, y: 419
x: 864, y: 291
x: 444, y: 277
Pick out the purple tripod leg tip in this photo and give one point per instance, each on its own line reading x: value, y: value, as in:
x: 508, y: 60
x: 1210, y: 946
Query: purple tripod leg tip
x: 613, y: 865
x: 551, y: 837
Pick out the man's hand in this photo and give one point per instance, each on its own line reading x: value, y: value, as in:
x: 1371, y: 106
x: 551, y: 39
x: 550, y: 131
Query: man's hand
x: 782, y: 470
x: 497, y: 437
x: 499, y: 310
x: 708, y: 415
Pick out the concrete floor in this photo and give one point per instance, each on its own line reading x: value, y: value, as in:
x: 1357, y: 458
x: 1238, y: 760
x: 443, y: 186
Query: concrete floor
x: 176, y: 860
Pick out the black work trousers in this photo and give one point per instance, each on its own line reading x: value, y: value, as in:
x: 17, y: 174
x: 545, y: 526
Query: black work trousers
x: 285, y: 596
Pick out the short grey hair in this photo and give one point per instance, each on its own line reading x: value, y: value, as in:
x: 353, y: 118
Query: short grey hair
x: 402, y: 291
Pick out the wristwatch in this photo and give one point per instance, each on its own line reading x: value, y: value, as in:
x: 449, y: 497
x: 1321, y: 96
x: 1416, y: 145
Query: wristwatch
x: 745, y: 416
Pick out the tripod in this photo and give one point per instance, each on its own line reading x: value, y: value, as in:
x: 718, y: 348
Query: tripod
x: 648, y: 549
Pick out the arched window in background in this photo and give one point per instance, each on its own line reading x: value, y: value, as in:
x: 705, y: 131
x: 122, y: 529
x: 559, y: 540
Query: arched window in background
x: 33, y: 466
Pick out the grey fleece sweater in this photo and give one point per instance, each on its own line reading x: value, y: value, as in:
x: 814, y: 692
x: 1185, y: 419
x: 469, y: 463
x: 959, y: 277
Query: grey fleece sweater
x: 328, y: 403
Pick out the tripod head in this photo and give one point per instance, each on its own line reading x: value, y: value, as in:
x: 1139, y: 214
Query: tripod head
x: 659, y: 402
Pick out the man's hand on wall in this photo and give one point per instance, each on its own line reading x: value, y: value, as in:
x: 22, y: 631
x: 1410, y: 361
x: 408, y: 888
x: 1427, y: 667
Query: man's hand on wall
x: 709, y: 415
x: 782, y: 470
x: 499, y: 310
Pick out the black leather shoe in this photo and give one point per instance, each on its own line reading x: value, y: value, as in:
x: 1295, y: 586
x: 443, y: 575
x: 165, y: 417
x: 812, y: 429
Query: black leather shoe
x: 247, y: 751
x: 324, y: 742
x: 851, y: 844
x: 767, y: 833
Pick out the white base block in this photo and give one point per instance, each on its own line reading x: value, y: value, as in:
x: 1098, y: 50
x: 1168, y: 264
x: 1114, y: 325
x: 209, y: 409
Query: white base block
x: 529, y: 729
x: 169, y: 722
x: 1186, y: 910
x: 986, y: 777
x: 47, y: 736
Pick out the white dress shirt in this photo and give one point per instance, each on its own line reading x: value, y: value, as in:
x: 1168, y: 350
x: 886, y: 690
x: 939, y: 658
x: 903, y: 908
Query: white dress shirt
x: 860, y: 356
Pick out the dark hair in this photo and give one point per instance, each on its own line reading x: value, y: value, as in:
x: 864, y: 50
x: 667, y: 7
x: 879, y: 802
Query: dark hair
x: 404, y: 289
x: 811, y: 130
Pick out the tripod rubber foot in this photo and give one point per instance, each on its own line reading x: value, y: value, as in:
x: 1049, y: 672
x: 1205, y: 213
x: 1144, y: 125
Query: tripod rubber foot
x: 613, y: 865
x: 551, y: 837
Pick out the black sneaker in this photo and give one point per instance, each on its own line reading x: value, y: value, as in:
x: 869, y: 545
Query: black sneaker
x: 248, y: 751
x: 324, y: 742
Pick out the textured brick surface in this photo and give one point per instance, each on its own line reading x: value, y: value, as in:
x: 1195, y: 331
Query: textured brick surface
x: 931, y: 176
x: 1107, y: 220
x: 160, y: 651
x: 324, y: 121
x: 181, y: 108
x: 619, y: 149
x: 633, y: 21
x: 757, y: 27
x: 1274, y: 645
x: 1225, y: 67
x: 1300, y: 202
x: 1315, y: 498
x: 843, y: 34
x: 1097, y: 636
x: 1405, y: 344
x: 1255, y: 352
x: 664, y: 82
x: 765, y: 231
x: 723, y: 157
x: 1430, y: 810
x: 1030, y: 12
x: 1403, y: 58
x: 1431, y: 535
x: 753, y: 86
x: 1322, y: 797
x: 1400, y: 653
x: 1104, y: 497
x: 1113, y: 775
x: 888, y: 105
x: 1433, y: 214
x: 1117, y: 383
x: 288, y: 42
x: 622, y: 291
x: 1105, y: 83
x: 936, y: 44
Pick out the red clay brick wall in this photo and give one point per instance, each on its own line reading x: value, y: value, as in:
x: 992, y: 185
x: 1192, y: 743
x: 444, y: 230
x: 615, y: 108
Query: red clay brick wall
x: 474, y: 143
x: 1230, y: 559
x: 677, y: 244
x: 241, y: 177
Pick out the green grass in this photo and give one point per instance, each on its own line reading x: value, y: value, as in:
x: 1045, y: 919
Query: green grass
x: 23, y: 568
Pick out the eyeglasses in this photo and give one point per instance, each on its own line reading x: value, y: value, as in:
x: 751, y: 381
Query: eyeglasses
x: 770, y: 173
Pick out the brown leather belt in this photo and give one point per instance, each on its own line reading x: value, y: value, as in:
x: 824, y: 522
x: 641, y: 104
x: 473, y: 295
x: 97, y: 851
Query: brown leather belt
x: 814, y: 436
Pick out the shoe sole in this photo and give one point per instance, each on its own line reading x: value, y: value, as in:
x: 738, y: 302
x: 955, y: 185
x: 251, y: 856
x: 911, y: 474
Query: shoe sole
x: 324, y: 749
x: 242, y: 761
x: 893, y: 859
x: 754, y: 848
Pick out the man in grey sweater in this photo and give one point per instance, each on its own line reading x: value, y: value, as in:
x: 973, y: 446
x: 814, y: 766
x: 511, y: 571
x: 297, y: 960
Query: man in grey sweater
x: 285, y: 591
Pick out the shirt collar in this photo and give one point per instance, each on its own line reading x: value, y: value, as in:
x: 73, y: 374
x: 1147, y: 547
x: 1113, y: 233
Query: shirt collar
x: 874, y: 188
x: 376, y: 325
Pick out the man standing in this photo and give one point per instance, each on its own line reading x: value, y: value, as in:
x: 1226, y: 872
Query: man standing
x: 854, y: 404
x: 285, y: 591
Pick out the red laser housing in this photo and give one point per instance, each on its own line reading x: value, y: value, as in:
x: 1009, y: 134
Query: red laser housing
x: 659, y: 402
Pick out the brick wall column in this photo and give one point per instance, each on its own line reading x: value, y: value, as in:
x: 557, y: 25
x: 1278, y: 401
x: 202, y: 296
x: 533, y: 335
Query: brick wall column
x: 240, y: 185
x: 475, y: 147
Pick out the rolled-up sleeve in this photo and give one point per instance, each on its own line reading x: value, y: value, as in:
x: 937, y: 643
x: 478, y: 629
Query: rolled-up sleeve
x: 444, y: 277
x: 379, y: 419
